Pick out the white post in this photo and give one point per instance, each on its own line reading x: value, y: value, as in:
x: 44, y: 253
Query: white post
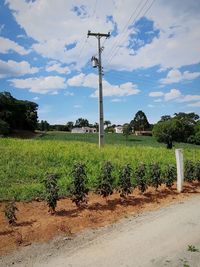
x: 180, y: 169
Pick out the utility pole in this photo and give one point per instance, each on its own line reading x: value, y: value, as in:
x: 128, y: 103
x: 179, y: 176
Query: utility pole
x: 97, y: 63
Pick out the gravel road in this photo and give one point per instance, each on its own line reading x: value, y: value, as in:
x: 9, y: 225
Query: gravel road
x: 158, y: 238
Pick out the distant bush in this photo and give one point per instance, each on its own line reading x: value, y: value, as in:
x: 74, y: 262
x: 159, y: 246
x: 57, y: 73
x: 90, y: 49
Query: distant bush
x: 155, y: 175
x: 125, y: 187
x: 51, y: 187
x: 189, y: 169
x: 79, y: 190
x: 10, y: 212
x: 105, y: 180
x: 169, y: 175
x: 140, y: 175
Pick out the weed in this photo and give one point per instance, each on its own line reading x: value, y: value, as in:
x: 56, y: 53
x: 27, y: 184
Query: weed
x: 192, y: 248
x: 10, y: 212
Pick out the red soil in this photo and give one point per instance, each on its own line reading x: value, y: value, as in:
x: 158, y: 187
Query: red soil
x: 35, y: 224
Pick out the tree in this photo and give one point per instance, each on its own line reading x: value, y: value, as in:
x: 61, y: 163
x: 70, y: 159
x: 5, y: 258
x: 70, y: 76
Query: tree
x: 127, y: 130
x: 140, y: 122
x: 70, y: 125
x: 4, y: 128
x: 19, y: 114
x: 165, y: 118
x: 167, y: 131
x: 82, y: 123
x: 107, y: 123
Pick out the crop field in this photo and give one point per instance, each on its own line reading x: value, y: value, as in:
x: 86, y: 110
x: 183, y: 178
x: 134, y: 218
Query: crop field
x: 24, y: 163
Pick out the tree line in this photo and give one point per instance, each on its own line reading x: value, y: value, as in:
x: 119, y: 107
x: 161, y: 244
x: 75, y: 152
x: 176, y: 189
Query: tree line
x: 22, y: 115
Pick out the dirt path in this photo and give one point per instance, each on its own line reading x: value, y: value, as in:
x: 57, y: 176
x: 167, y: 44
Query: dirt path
x: 157, y: 238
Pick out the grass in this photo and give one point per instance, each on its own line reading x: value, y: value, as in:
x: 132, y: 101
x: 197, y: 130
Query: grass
x: 24, y: 163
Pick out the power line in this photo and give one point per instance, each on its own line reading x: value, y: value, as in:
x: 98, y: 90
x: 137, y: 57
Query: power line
x: 117, y: 48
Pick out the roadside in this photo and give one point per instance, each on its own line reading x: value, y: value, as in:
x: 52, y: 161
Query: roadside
x: 156, y: 238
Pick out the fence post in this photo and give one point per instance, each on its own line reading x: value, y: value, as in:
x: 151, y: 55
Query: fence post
x: 180, y: 169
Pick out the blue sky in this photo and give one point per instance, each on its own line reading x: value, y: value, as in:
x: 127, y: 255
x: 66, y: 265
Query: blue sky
x: 151, y: 61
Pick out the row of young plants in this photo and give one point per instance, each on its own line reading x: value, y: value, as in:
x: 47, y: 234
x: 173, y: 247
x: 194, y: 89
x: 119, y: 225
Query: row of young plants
x: 145, y: 176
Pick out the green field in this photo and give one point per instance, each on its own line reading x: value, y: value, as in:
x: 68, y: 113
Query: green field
x: 24, y: 163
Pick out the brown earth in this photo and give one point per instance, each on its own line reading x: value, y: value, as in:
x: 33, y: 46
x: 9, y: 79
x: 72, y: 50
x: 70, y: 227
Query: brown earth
x: 35, y: 224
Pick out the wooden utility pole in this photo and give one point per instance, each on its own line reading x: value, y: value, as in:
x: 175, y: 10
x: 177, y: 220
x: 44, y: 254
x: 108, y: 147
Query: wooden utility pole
x: 101, y: 119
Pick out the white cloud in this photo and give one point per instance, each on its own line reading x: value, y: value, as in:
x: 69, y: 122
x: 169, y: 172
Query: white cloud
x: 156, y: 94
x: 60, y: 32
x: 158, y: 100
x: 150, y: 106
x: 2, y: 26
x: 36, y: 98
x: 6, y: 46
x: 12, y: 68
x: 91, y: 81
x: 77, y: 106
x: 69, y: 94
x: 175, y: 76
x: 196, y: 104
x: 172, y: 94
x: 189, y: 98
x: 117, y: 100
x: 41, y: 85
x: 57, y: 67
x: 44, y: 109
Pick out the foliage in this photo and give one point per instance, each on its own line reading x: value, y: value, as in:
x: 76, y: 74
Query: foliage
x: 43, y: 126
x: 140, y: 175
x: 169, y: 175
x: 192, y: 248
x: 79, y: 190
x: 127, y: 130
x: 19, y: 114
x: 167, y: 131
x: 189, y: 171
x: 82, y: 123
x: 183, y: 127
x: 125, y: 187
x: 51, y: 187
x: 10, y: 212
x: 140, y: 122
x: 24, y: 163
x: 107, y: 123
x: 197, y: 171
x: 155, y: 175
x: 4, y: 128
x: 105, y: 180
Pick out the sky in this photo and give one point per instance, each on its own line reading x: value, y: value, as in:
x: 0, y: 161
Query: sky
x: 151, y: 62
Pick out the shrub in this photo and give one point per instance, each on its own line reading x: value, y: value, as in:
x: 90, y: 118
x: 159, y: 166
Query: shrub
x: 10, y: 212
x: 189, y: 171
x: 155, y: 175
x: 125, y: 187
x: 197, y: 171
x: 105, y: 180
x: 79, y: 190
x: 169, y: 175
x: 51, y: 187
x: 140, y: 174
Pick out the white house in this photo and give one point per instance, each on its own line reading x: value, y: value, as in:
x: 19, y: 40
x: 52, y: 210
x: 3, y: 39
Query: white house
x: 84, y: 130
x: 119, y: 129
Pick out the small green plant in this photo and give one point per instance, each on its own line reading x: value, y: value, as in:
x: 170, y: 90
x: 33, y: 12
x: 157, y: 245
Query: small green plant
x: 51, y: 188
x: 125, y: 187
x: 192, y: 248
x: 140, y: 175
x: 10, y: 212
x: 105, y: 180
x: 169, y: 175
x: 197, y: 171
x: 189, y: 171
x: 79, y: 190
x: 155, y: 175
